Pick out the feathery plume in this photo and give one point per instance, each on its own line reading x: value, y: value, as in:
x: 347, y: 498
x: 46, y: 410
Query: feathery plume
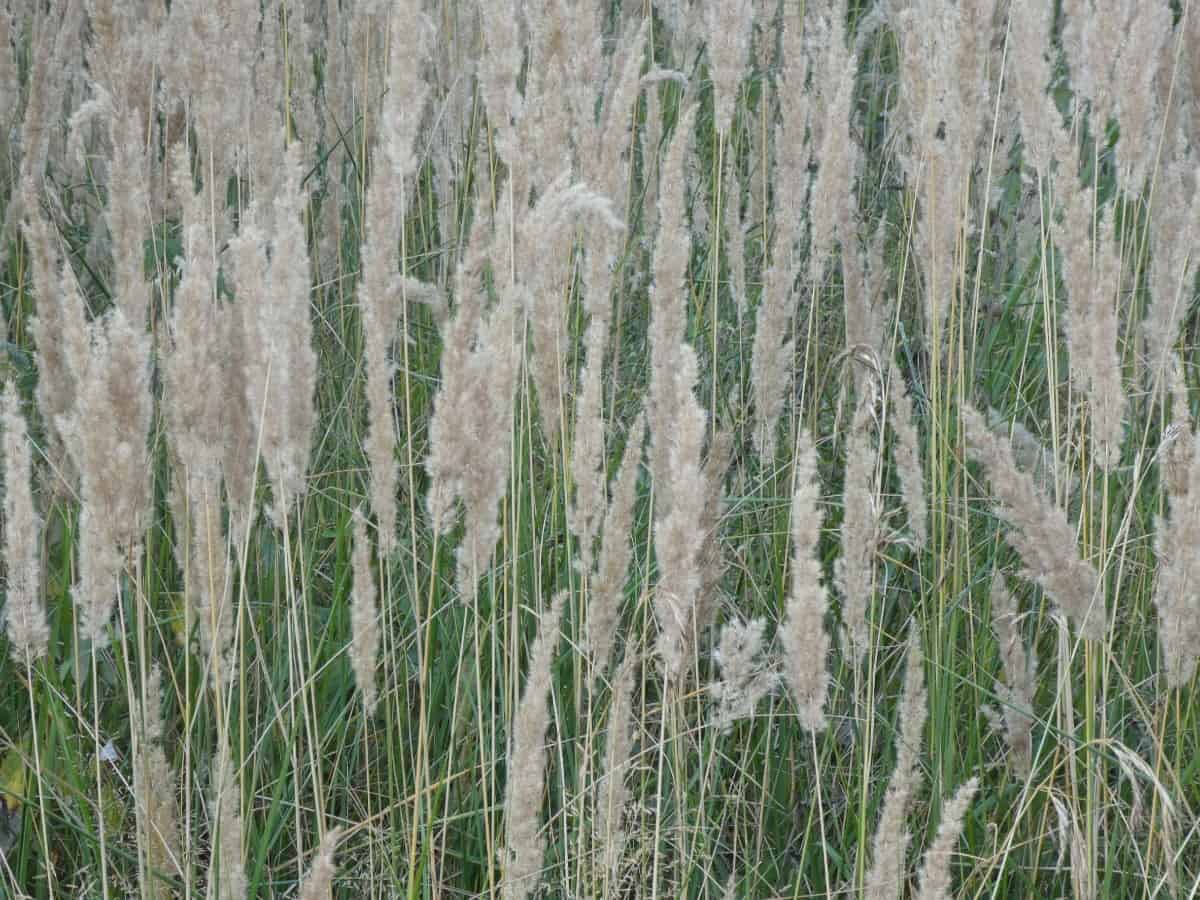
x: 1038, y: 530
x: 28, y: 631
x: 1092, y: 273
x: 1177, y: 589
x: 805, y: 641
x: 107, y: 433
x: 854, y: 571
x: 744, y: 679
x: 613, y: 794
x: 1178, y: 445
x: 364, y: 615
x: 606, y: 165
x: 1027, y: 80
x: 907, y: 453
x: 154, y: 789
x: 603, y: 152
x: 649, y: 140
x: 281, y: 370
x: 54, y: 47
x: 551, y: 227
x: 1144, y: 50
x: 394, y: 165
x: 935, y: 872
x: 1032, y: 456
x: 735, y: 238
x: 885, y: 879
x: 1114, y: 52
x: 794, y: 153
x: 127, y: 214
x: 608, y: 588
x: 8, y: 75
x: 60, y: 334
x: 239, y: 445
x: 677, y: 421
x: 490, y: 378
x: 194, y: 417
x: 1174, y: 236
x: 473, y: 368
x: 770, y: 358
x: 214, y: 87
x: 377, y: 331
x: 679, y: 537
x: 668, y: 322
x: 1019, y: 666
x: 525, y: 845
x: 943, y: 107
x: 587, y: 454
x: 713, y: 562
x: 499, y: 68
x: 318, y: 884
x: 197, y: 422
x: 266, y: 130
x: 863, y: 300
x: 227, y: 867
x: 729, y: 27
x: 833, y: 205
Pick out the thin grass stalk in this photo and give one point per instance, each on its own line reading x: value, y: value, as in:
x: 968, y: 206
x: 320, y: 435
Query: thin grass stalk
x: 44, y: 824
x: 100, y: 823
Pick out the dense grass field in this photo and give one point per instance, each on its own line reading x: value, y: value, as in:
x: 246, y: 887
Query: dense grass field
x: 537, y: 448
